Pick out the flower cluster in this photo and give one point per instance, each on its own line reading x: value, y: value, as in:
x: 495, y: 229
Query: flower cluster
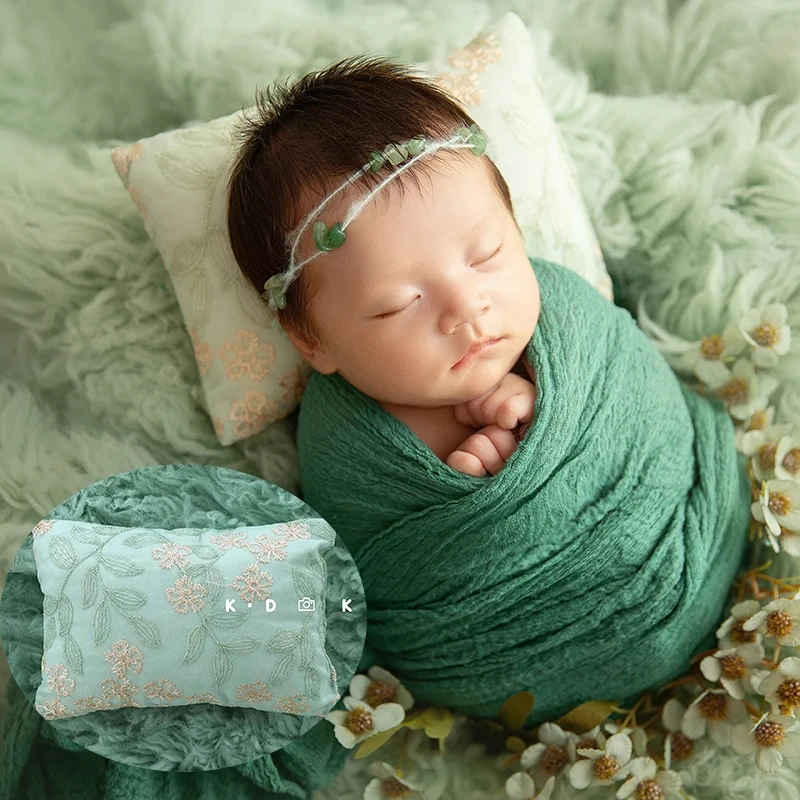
x: 773, y: 450
x: 733, y: 696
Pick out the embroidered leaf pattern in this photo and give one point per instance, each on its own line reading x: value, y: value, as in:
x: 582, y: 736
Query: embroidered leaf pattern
x: 304, y: 582
x: 91, y: 585
x: 73, y: 654
x: 49, y: 632
x: 225, y: 620
x: 126, y: 599
x: 144, y: 538
x: 204, y: 551
x: 101, y: 622
x: 282, y: 669
x: 120, y: 565
x: 65, y: 615
x: 221, y: 665
x: 62, y: 552
x: 195, y: 643
x: 284, y: 640
x: 147, y: 630
x: 87, y: 535
x: 306, y: 648
x: 241, y: 645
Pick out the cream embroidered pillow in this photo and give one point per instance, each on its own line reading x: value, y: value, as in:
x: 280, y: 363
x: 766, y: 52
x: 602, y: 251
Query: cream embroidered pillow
x: 251, y: 374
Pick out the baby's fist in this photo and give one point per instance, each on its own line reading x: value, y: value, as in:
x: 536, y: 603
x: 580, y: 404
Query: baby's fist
x: 484, y: 451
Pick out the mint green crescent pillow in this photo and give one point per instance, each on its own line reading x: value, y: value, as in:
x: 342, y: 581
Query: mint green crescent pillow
x: 153, y: 617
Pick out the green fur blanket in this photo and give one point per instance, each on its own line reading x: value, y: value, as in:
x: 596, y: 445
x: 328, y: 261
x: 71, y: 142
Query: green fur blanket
x: 593, y: 565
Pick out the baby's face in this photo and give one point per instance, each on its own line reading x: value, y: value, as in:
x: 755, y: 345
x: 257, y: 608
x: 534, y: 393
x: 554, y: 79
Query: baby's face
x: 419, y: 279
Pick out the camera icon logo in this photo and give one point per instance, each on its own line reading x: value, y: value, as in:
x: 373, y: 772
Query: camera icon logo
x: 306, y: 604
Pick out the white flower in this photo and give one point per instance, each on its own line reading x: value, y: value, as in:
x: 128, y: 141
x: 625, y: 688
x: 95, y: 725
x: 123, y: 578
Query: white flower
x: 677, y: 744
x: 646, y: 781
x: 361, y: 721
x: 787, y: 458
x: 769, y: 736
x: 751, y: 427
x: 762, y: 446
x: 387, y: 784
x: 779, y: 619
x: 731, y: 632
x: 380, y: 687
x: 778, y: 505
x: 781, y: 686
x: 716, y: 710
x: 638, y: 736
x: 767, y: 331
x: 602, y: 767
x: 555, y: 749
x: 742, y: 390
x: 733, y: 667
x: 705, y: 358
x: 520, y: 786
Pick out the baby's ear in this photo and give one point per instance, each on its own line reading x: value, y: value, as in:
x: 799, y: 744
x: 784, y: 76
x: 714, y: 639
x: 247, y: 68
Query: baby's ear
x: 311, y: 352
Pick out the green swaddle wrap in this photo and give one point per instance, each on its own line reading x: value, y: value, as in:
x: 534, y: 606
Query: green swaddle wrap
x: 592, y: 566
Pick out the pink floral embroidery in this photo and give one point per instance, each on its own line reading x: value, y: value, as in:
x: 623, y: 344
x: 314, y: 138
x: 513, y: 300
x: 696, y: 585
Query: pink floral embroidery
x: 124, y: 657
x: 253, y: 415
x: 256, y: 692
x: 245, y: 355
x: 58, y: 680
x: 474, y: 58
x: 55, y: 709
x: 186, y: 595
x: 294, y: 381
x: 265, y: 548
x: 41, y: 528
x: 164, y: 689
x: 123, y: 157
x: 118, y: 689
x: 135, y: 194
x: 225, y: 541
x: 204, y: 697
x: 296, y: 704
x: 290, y: 531
x: 202, y: 352
x: 171, y: 554
x: 92, y: 703
x: 252, y: 583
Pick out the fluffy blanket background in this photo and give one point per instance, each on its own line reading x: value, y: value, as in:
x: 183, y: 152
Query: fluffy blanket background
x: 683, y: 120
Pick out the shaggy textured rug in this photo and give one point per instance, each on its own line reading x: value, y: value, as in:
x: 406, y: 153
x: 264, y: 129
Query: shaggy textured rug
x: 683, y: 120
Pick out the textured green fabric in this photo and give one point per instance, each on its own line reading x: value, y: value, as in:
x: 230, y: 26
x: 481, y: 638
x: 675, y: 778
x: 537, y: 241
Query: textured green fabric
x: 143, y: 753
x: 593, y: 565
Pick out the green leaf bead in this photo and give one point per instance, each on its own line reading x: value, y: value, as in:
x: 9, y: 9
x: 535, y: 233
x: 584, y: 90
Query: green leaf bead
x: 415, y: 145
x: 376, y: 160
x: 478, y: 144
x: 394, y: 155
x: 336, y: 235
x: 320, y: 235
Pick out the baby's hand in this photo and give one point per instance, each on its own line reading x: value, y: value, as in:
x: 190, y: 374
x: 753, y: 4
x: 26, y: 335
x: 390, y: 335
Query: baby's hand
x: 484, y: 451
x: 508, y: 404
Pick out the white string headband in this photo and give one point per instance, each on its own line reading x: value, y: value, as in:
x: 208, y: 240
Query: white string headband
x: 327, y: 239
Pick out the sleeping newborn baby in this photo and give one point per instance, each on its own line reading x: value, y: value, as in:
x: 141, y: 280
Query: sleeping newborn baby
x: 422, y: 281
x: 534, y: 501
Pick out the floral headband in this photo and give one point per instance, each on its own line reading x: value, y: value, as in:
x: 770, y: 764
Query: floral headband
x: 327, y: 239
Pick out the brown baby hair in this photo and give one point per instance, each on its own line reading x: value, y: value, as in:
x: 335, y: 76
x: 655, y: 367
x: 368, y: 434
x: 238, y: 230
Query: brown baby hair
x: 311, y: 136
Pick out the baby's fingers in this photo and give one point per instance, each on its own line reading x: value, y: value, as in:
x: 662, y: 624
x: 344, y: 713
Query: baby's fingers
x: 485, y: 451
x: 515, y: 410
